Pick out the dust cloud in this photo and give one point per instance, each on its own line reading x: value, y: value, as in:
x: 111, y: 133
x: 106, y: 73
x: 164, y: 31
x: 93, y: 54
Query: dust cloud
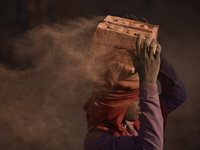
x: 43, y: 93
x: 47, y: 82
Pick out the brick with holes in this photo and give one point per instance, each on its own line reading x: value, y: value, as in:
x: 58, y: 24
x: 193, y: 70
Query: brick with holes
x: 122, y: 33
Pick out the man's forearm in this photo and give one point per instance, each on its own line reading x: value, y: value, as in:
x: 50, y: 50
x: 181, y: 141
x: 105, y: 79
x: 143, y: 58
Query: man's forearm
x: 151, y: 127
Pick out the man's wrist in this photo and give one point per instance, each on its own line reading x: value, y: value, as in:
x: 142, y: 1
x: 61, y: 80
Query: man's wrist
x: 147, y: 80
x: 148, y: 91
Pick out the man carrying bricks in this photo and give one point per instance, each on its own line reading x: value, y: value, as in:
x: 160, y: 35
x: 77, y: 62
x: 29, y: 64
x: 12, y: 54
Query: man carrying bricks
x: 129, y: 113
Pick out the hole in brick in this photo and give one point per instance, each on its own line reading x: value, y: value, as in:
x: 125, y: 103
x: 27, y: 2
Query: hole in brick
x: 108, y: 27
x: 142, y: 25
x: 127, y: 32
x: 115, y: 20
x: 135, y: 33
x: 131, y: 24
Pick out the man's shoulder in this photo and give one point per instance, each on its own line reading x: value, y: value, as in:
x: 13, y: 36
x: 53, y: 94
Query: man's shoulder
x: 98, y: 134
x: 98, y: 139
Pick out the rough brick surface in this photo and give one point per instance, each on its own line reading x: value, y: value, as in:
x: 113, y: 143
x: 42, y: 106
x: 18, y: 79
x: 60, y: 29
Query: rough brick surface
x: 122, y: 33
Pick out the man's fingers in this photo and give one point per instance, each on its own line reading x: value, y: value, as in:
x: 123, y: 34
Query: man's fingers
x: 144, y: 20
x: 134, y: 18
x: 146, y: 44
x: 138, y: 43
x: 152, y: 47
x: 158, y: 51
x: 127, y: 16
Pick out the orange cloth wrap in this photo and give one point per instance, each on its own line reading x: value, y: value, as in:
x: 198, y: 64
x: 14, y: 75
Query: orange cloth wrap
x: 108, y: 104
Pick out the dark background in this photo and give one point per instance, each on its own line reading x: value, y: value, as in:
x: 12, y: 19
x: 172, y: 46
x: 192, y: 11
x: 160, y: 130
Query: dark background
x: 44, y: 80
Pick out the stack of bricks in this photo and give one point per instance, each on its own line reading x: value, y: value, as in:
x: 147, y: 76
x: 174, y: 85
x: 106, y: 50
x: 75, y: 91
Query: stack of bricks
x: 117, y: 37
x: 122, y: 33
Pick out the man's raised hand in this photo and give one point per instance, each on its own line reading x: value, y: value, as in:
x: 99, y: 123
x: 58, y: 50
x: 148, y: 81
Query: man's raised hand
x: 147, y: 62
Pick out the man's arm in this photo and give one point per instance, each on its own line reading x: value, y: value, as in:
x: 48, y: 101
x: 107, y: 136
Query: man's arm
x: 173, y: 92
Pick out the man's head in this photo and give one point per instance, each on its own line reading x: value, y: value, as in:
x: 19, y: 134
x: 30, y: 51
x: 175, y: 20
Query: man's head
x: 110, y: 104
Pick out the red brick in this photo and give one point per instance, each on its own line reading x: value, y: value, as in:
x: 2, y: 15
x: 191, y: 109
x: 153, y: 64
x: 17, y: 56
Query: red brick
x: 122, y: 33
